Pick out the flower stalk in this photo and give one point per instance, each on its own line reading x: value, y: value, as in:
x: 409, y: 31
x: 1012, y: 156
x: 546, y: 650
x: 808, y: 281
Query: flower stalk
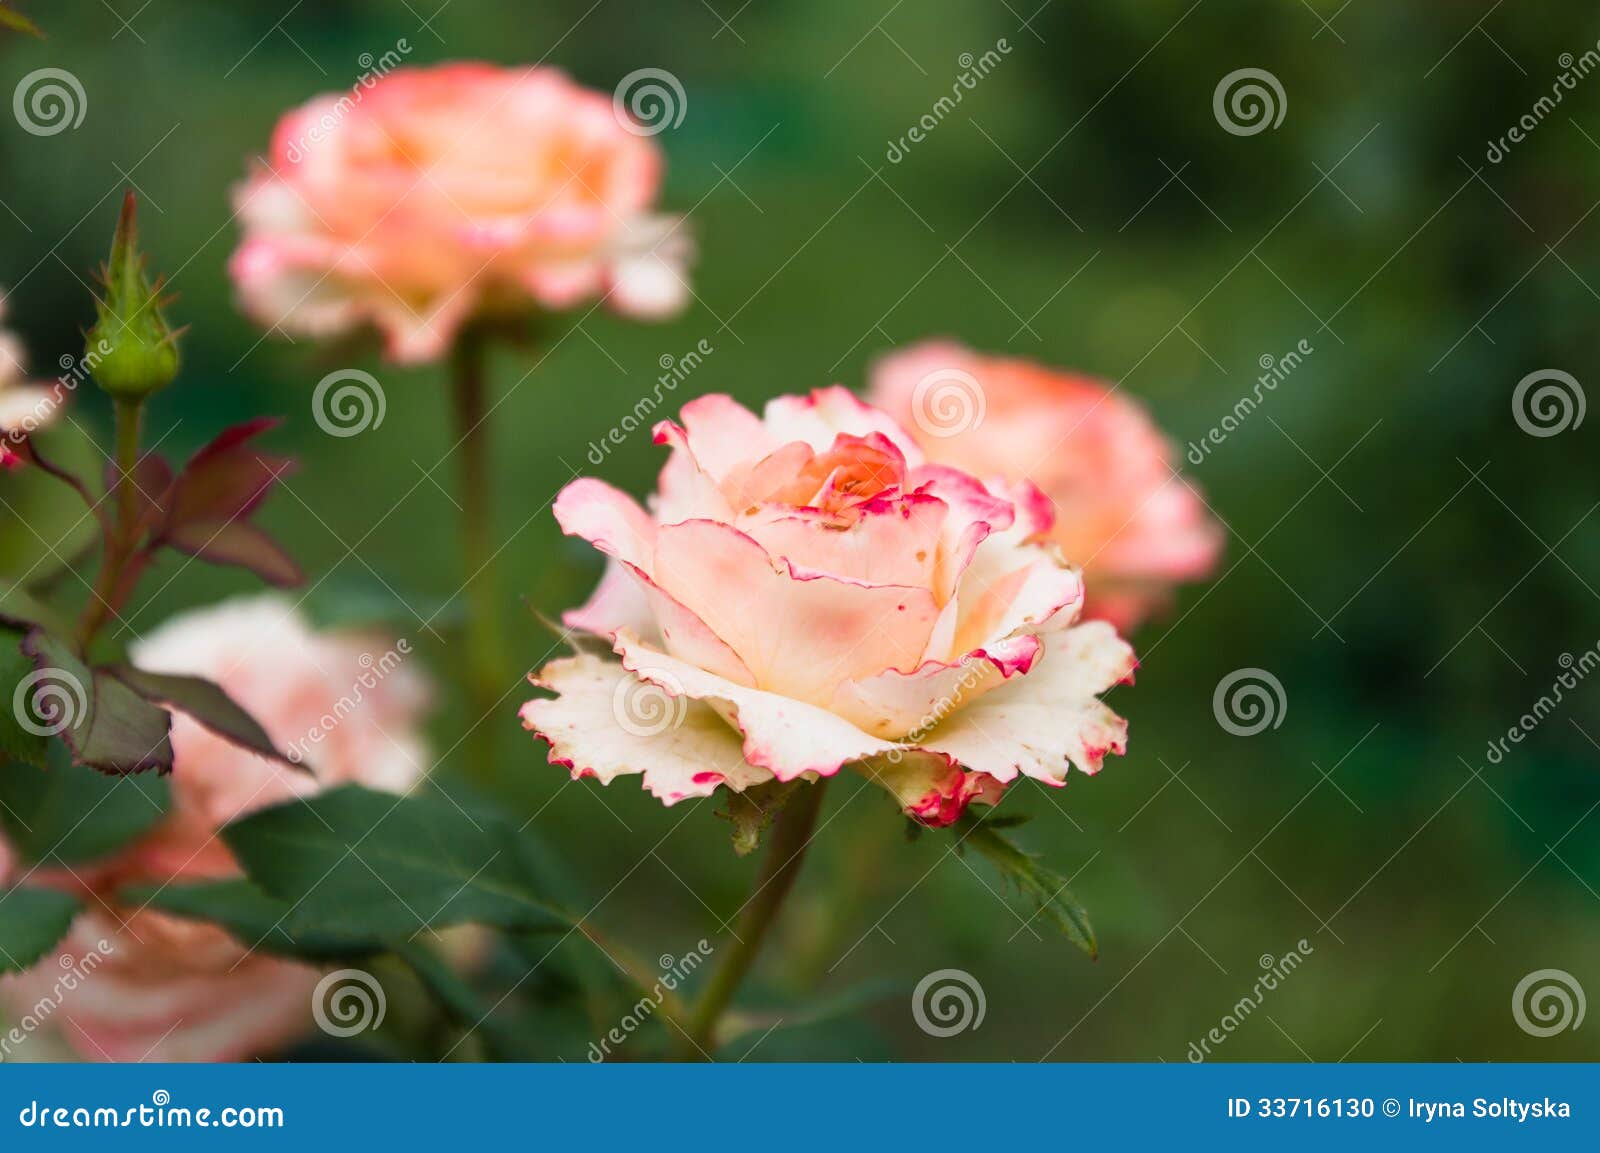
x: 485, y: 662
x: 790, y: 838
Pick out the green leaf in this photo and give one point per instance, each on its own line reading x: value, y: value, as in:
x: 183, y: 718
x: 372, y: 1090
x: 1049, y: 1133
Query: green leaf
x: 386, y: 865
x: 207, y: 702
x: 848, y: 1002
x: 18, y: 740
x: 254, y: 918
x: 1046, y: 888
x: 20, y: 609
x: 752, y: 811
x: 70, y: 813
x: 32, y: 921
x: 104, y: 722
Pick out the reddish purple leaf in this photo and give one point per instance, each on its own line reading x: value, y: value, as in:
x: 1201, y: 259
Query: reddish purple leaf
x: 237, y: 542
x: 228, y: 478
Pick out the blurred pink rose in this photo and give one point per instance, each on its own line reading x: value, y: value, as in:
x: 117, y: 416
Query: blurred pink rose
x: 427, y: 195
x: 24, y: 407
x: 807, y: 593
x: 178, y: 990
x: 1122, y: 513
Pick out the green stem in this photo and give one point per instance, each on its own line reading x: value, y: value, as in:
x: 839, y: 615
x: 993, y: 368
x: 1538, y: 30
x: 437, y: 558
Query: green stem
x: 121, y: 535
x: 788, y: 841
x: 485, y: 663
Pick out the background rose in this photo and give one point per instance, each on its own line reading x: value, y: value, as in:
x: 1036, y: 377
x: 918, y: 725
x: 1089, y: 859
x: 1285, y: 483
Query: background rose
x: 172, y: 989
x: 1122, y: 512
x: 23, y: 407
x: 429, y: 194
x: 807, y: 593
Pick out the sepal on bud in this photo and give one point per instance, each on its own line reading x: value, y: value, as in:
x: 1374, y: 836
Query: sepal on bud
x: 131, y: 350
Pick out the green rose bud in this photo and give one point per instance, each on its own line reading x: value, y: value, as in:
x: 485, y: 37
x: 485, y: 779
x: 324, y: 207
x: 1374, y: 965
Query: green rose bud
x: 130, y: 350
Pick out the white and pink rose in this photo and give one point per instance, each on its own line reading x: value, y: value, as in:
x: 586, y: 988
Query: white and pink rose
x: 806, y: 593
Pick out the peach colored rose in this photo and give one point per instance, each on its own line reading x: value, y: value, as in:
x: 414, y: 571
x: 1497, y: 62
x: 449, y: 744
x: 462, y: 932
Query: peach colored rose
x: 24, y: 407
x: 179, y: 990
x: 805, y: 594
x: 1121, y: 511
x: 428, y: 195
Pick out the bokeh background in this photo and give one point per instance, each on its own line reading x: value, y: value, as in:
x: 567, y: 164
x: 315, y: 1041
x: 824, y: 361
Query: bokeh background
x: 1407, y: 561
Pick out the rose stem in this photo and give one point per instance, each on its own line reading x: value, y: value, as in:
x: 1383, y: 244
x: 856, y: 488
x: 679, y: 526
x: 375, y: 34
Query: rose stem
x: 790, y: 837
x: 119, y: 537
x: 484, y: 658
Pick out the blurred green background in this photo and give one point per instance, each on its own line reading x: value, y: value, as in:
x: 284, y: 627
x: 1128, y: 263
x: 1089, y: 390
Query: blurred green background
x: 1406, y: 560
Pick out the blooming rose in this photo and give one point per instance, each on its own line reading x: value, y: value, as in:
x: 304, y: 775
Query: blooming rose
x: 24, y: 408
x: 180, y: 990
x: 427, y: 195
x: 806, y: 593
x: 1121, y: 511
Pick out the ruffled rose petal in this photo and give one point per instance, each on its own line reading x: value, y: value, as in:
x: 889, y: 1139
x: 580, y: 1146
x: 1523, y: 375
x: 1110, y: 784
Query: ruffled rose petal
x: 617, y: 526
x: 892, y: 541
x: 607, y: 723
x: 895, y: 705
x: 618, y: 602
x: 1048, y: 719
x: 607, y: 518
x: 799, y: 636
x: 821, y: 416
x: 784, y: 735
x: 930, y: 789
